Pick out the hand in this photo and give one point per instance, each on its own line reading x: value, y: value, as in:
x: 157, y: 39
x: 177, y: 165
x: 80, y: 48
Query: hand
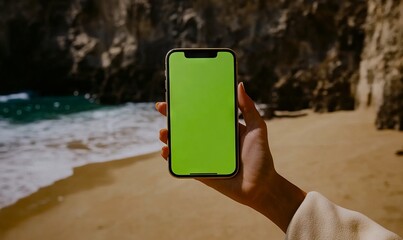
x: 256, y: 164
x: 257, y: 182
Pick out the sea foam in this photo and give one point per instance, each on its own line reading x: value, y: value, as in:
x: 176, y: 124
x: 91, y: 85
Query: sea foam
x: 36, y: 154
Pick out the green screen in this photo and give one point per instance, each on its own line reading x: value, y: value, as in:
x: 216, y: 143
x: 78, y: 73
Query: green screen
x: 202, y: 114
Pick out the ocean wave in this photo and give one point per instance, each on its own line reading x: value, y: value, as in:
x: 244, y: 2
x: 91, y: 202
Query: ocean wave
x: 39, y: 153
x: 15, y: 96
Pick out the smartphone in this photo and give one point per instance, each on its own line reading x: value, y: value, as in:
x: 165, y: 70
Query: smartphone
x: 201, y: 95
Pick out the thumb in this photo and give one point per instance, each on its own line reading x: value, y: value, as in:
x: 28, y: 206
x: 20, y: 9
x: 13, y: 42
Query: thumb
x: 248, y: 109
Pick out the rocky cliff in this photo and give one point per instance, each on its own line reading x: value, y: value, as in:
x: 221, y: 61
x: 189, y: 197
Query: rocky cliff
x: 381, y: 68
x: 292, y: 54
x: 57, y: 47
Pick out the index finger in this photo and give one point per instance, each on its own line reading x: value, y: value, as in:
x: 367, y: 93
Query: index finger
x: 161, y: 107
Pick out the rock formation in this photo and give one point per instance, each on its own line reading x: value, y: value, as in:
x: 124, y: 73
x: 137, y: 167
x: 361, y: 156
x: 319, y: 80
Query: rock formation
x: 292, y: 54
x: 381, y: 69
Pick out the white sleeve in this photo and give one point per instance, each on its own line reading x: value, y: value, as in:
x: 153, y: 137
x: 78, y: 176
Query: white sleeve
x: 318, y: 218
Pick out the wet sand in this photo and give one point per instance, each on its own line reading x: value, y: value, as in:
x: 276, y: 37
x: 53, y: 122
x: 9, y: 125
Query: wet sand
x: 339, y: 154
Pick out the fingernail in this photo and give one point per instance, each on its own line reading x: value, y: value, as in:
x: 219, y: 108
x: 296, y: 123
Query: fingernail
x: 156, y: 104
x: 242, y: 86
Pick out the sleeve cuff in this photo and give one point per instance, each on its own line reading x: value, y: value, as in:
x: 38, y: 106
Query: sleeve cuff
x: 319, y: 218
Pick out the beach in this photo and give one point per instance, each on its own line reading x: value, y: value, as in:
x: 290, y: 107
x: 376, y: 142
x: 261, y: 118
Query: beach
x: 340, y: 155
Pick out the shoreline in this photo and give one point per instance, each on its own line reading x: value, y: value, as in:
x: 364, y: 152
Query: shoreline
x: 36, y: 154
x: 49, y: 196
x: 340, y: 155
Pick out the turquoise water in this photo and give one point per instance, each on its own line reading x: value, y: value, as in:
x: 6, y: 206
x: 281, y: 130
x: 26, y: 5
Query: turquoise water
x: 40, y: 108
x: 43, y: 139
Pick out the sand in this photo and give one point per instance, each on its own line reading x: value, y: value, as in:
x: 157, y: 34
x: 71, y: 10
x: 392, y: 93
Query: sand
x: 339, y: 154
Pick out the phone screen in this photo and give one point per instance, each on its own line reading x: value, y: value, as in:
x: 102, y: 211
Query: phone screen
x: 202, y: 112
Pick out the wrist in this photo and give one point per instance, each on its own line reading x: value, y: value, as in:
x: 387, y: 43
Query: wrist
x: 279, y: 200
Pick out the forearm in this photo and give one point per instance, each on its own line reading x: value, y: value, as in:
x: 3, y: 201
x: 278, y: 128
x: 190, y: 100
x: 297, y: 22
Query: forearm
x: 313, y: 216
x: 280, y: 202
